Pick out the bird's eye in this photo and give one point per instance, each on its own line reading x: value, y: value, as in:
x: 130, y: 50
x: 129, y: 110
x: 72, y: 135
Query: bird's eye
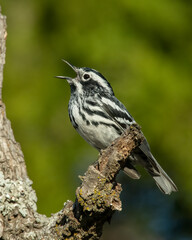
x: 86, y: 76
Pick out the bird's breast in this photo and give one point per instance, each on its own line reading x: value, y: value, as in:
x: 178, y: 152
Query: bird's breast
x: 93, y: 125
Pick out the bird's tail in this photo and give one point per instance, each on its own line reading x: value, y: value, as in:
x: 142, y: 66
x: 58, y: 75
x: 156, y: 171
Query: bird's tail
x: 164, y: 182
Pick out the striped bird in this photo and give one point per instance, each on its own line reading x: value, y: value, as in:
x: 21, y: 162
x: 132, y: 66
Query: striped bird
x: 99, y: 117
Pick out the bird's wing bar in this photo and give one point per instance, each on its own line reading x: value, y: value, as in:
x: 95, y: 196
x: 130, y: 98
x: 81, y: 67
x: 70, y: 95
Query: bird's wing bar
x: 117, y: 112
x: 109, y: 112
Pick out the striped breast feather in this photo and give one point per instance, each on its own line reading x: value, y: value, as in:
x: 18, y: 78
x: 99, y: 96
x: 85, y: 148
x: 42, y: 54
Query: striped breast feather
x: 116, y: 111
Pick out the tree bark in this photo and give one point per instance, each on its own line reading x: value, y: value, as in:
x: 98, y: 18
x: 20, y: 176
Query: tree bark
x: 97, y: 198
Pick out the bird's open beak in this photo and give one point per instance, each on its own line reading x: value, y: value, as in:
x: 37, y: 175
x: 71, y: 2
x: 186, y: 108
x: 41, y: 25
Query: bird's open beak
x: 64, y: 77
x: 70, y: 65
x: 69, y: 79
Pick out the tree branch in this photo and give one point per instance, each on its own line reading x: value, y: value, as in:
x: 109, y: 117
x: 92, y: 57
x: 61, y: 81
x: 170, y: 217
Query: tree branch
x: 97, y: 198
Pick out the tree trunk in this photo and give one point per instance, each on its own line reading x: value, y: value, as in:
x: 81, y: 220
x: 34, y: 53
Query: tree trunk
x: 96, y: 199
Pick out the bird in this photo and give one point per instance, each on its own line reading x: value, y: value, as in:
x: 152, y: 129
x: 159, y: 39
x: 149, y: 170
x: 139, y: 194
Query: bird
x: 100, y: 118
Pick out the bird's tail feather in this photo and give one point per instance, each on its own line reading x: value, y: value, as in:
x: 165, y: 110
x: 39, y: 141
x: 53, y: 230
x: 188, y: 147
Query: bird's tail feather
x: 164, y: 182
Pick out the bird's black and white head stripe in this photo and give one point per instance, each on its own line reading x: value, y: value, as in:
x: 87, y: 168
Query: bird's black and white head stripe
x: 88, y: 81
x: 99, y: 117
x: 92, y: 80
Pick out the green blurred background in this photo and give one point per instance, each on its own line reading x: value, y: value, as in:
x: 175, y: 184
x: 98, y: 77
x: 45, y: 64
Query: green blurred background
x: 144, y: 48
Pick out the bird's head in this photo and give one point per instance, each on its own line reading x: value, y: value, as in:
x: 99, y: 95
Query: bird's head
x: 87, y: 81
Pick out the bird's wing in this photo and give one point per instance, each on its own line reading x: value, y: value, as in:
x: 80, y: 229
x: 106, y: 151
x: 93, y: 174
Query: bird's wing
x: 116, y: 111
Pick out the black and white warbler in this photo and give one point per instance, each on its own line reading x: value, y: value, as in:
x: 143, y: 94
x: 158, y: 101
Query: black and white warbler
x: 99, y: 117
